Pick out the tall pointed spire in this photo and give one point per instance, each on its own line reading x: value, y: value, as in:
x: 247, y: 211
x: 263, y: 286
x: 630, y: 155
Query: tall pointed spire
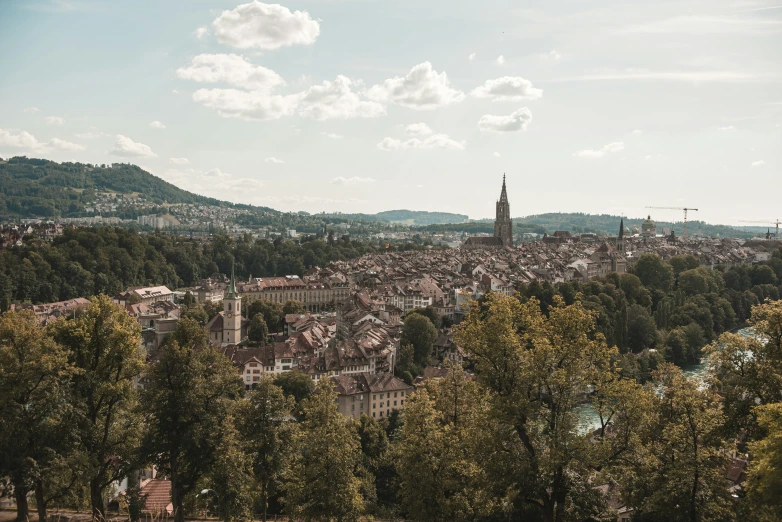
x: 232, y: 283
x: 503, y: 227
x: 622, y: 227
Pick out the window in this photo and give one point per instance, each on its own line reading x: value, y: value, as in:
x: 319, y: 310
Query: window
x: 374, y: 396
x: 394, y: 403
x: 402, y: 402
x: 229, y: 307
x: 381, y: 413
x: 362, y: 406
x: 374, y: 405
x: 388, y: 395
x: 373, y: 413
x: 394, y: 394
x: 284, y: 368
x: 403, y: 394
x: 253, y: 365
x: 256, y: 371
x: 381, y: 404
x: 255, y: 378
x: 352, y: 407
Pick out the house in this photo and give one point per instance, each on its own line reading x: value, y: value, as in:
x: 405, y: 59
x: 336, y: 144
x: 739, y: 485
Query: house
x: 372, y: 395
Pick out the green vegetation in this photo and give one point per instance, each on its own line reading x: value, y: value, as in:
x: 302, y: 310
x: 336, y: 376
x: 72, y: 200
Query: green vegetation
x: 505, y: 444
x: 666, y: 306
x: 410, y: 217
x: 42, y: 188
x: 89, y: 261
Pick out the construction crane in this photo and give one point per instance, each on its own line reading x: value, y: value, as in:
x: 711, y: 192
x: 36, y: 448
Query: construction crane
x: 769, y: 222
x: 684, y: 235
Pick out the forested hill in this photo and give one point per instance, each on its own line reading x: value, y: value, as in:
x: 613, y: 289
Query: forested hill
x: 32, y: 187
x: 406, y: 217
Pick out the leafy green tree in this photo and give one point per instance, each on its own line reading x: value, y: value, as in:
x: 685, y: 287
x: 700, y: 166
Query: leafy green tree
x: 765, y: 473
x: 429, y: 313
x: 293, y: 307
x: 104, y: 346
x: 747, y: 371
x: 187, y: 401
x: 379, y: 462
x: 419, y: 332
x: 322, y: 481
x: 535, y: 369
x: 230, y: 477
x: 678, y: 473
x: 654, y: 273
x: 634, y: 290
x: 272, y: 313
x: 441, y: 452
x: 34, y: 436
x: 295, y: 384
x: 266, y: 430
x: 680, y: 263
x: 258, y: 331
x: 641, y: 328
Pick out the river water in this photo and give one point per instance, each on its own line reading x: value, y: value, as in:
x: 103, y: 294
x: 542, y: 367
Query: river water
x: 587, y: 416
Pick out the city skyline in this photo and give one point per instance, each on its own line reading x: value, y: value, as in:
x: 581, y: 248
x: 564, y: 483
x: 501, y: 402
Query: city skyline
x: 357, y: 106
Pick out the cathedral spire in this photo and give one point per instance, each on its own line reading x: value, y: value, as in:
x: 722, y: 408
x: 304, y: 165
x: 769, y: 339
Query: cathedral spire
x: 503, y: 227
x: 621, y: 227
x: 232, y: 283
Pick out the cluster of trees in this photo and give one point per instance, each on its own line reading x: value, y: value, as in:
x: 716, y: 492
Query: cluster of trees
x: 506, y: 443
x: 672, y: 307
x: 89, y: 261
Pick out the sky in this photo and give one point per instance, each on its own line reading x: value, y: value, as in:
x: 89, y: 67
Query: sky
x: 597, y: 106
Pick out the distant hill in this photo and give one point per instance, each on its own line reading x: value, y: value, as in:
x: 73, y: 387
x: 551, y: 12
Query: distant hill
x: 32, y: 187
x: 406, y: 217
x: 601, y: 224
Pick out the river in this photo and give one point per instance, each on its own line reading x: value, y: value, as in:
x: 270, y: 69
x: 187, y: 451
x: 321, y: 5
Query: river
x: 587, y: 416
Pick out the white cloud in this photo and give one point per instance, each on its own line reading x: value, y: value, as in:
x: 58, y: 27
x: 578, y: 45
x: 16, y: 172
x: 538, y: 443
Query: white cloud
x: 124, y: 146
x: 553, y: 55
x: 514, y: 122
x: 500, y: 60
x: 252, y: 105
x: 418, y: 129
x: 217, y: 173
x: 157, y: 125
x: 726, y: 128
x: 201, y: 32
x: 471, y: 57
x: 508, y: 88
x: 435, y: 141
x: 32, y: 109
x: 758, y: 163
x: 599, y: 153
x: 174, y: 91
x: 422, y: 88
x: 337, y: 100
x: 57, y: 143
x: 339, y: 180
x: 25, y: 141
x: 230, y: 69
x: 265, y: 26
x: 90, y: 135
x: 272, y: 159
x: 636, y: 132
x: 178, y: 161
x: 54, y: 120
x: 496, y: 154
x: 332, y: 135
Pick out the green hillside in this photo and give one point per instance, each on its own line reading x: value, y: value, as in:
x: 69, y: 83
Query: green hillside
x: 406, y: 217
x: 32, y: 187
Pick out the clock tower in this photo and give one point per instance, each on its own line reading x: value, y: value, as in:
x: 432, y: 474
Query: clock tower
x: 232, y: 313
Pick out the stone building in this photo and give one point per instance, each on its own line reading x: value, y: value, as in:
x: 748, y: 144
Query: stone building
x: 503, y: 226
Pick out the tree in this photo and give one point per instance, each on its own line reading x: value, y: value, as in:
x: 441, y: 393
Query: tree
x: 378, y: 460
x: 634, y: 290
x: 258, y: 331
x: 535, y: 370
x: 429, y: 313
x: 104, y: 346
x: 653, y: 272
x: 34, y: 438
x: 295, y: 384
x: 293, y: 307
x: 747, y: 371
x: 419, y: 332
x: 680, y: 263
x: 322, y: 481
x: 231, y: 476
x: 765, y: 473
x: 187, y: 403
x: 641, y: 328
x: 678, y: 472
x: 272, y: 313
x: 267, y: 431
x: 442, y: 450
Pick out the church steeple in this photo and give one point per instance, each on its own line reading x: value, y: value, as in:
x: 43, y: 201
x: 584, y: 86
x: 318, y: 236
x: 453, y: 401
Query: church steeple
x: 621, y: 228
x: 503, y: 226
x: 232, y: 284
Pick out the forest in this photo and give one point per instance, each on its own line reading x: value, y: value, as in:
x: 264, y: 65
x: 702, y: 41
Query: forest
x: 32, y: 187
x: 85, y: 261
x: 504, y: 444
